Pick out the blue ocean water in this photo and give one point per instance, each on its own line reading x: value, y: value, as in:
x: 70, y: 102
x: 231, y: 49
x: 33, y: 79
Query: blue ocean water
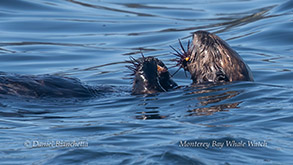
x: 236, y: 123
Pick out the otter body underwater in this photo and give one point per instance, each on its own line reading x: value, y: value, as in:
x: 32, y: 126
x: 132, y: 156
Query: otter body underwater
x: 150, y: 76
x: 210, y: 59
x: 38, y: 86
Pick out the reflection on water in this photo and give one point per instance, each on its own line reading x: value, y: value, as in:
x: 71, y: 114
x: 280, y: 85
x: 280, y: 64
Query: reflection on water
x: 91, y: 40
x: 212, y: 109
x: 206, y: 105
x: 149, y: 111
x: 205, y: 99
x: 212, y: 98
x: 149, y: 115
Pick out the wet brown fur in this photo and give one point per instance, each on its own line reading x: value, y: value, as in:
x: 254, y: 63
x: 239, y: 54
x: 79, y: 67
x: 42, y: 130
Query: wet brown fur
x: 147, y: 78
x: 212, y: 60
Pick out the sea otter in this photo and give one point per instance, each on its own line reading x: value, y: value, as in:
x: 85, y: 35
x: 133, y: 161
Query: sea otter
x: 210, y: 59
x: 46, y: 86
x: 150, y: 76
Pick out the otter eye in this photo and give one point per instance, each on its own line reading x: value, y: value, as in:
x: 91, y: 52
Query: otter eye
x: 160, y: 69
x: 187, y: 59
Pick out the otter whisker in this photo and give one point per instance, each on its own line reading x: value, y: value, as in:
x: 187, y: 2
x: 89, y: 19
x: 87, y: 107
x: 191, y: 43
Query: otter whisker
x: 182, y: 48
x: 133, y: 63
x: 185, y: 73
x: 189, y: 48
x: 178, y: 53
x: 143, y: 58
x: 176, y: 71
x: 130, y: 67
x: 173, y: 66
x: 133, y: 59
x: 174, y: 59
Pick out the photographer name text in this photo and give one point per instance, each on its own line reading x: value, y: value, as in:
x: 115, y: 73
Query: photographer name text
x: 55, y: 144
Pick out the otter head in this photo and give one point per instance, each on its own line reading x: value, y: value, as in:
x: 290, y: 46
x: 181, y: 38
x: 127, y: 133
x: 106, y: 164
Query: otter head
x: 211, y: 59
x: 150, y: 76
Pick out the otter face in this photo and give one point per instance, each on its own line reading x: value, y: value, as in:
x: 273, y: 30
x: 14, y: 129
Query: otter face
x: 150, y: 76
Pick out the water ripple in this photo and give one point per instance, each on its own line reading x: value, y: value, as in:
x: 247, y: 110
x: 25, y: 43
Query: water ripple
x: 92, y: 41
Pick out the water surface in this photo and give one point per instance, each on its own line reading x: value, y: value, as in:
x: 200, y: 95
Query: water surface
x: 90, y: 40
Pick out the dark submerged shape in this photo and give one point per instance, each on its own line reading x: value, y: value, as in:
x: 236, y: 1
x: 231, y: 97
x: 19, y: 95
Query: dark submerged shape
x: 46, y: 86
x: 150, y: 76
x: 210, y: 59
